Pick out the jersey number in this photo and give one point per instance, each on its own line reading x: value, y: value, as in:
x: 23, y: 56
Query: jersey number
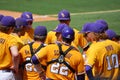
x: 56, y: 68
x: 112, y: 61
x: 29, y: 66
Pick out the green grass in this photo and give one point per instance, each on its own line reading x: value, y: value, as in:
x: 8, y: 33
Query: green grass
x: 78, y: 21
x: 53, y: 6
x: 47, y: 7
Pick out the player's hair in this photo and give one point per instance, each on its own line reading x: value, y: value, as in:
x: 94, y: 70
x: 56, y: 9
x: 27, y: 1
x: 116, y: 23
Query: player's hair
x: 64, y: 21
x: 16, y: 30
x: 101, y: 36
x: 5, y: 29
x: 40, y: 38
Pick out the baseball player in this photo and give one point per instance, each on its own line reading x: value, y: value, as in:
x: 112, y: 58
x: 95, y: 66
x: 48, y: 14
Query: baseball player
x: 19, y: 30
x: 9, y: 57
x: 29, y: 72
x: 103, y: 57
x: 62, y: 59
x: 28, y: 37
x: 64, y: 17
x: 58, y: 35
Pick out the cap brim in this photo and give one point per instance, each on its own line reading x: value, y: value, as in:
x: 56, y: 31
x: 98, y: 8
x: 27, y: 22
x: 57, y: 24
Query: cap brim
x: 55, y: 31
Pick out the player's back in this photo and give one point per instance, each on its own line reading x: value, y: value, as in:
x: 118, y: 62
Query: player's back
x: 106, y: 59
x: 59, y: 71
x: 30, y: 72
x: 5, y: 58
x: 51, y: 38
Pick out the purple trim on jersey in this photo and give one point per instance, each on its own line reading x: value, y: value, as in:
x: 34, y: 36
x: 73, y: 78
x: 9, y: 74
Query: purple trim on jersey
x: 89, y: 72
x: 35, y: 60
x: 87, y: 67
x: 81, y: 77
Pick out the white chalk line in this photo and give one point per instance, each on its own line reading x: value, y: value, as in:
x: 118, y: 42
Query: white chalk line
x: 81, y: 13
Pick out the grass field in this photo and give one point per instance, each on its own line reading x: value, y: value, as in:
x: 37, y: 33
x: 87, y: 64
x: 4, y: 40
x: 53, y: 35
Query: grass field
x: 50, y: 7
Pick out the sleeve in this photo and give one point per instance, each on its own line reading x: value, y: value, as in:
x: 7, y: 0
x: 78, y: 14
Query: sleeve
x: 82, y: 40
x: 81, y: 68
x: 42, y: 54
x: 12, y: 42
x: 90, y: 56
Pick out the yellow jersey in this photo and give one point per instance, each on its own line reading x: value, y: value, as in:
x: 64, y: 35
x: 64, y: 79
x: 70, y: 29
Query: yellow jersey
x: 59, y: 71
x: 29, y: 72
x: 104, y: 57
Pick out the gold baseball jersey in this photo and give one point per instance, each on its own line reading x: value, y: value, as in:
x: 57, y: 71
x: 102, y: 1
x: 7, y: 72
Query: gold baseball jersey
x: 104, y: 57
x: 27, y: 38
x: 6, y: 41
x: 51, y: 38
x: 59, y: 71
x: 78, y: 41
x: 30, y: 72
x: 19, y: 42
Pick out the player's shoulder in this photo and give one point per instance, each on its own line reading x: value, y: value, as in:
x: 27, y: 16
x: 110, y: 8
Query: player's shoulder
x: 75, y: 30
x: 51, y: 32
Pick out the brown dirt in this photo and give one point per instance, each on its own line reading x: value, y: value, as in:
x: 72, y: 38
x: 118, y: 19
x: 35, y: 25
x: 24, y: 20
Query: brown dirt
x: 37, y: 18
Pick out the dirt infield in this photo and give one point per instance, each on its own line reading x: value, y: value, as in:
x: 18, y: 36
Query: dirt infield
x: 37, y: 18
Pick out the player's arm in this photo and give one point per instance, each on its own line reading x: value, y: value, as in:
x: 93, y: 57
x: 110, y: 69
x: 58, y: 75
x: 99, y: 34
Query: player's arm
x: 15, y: 56
x: 36, y: 61
x: 81, y: 69
x: 38, y: 67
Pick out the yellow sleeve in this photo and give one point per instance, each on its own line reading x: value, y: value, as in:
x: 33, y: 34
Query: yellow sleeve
x: 42, y: 54
x: 90, y: 56
x: 82, y: 41
x: 81, y: 68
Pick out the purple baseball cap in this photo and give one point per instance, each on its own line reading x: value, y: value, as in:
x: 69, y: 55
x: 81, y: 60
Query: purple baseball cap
x: 1, y: 16
x: 64, y: 15
x: 40, y: 31
x: 86, y: 28
x: 27, y: 15
x: 103, y: 22
x: 60, y: 27
x: 97, y: 28
x: 110, y: 33
x: 7, y: 21
x: 21, y: 22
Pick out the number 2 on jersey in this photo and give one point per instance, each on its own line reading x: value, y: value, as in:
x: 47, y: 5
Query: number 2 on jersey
x: 56, y: 68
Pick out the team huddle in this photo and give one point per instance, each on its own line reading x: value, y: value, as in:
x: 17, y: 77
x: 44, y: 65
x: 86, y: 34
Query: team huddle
x: 36, y: 54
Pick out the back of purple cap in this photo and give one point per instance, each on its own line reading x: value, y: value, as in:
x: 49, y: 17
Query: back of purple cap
x: 40, y: 31
x: 64, y: 15
x: 21, y: 22
x: 8, y: 21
